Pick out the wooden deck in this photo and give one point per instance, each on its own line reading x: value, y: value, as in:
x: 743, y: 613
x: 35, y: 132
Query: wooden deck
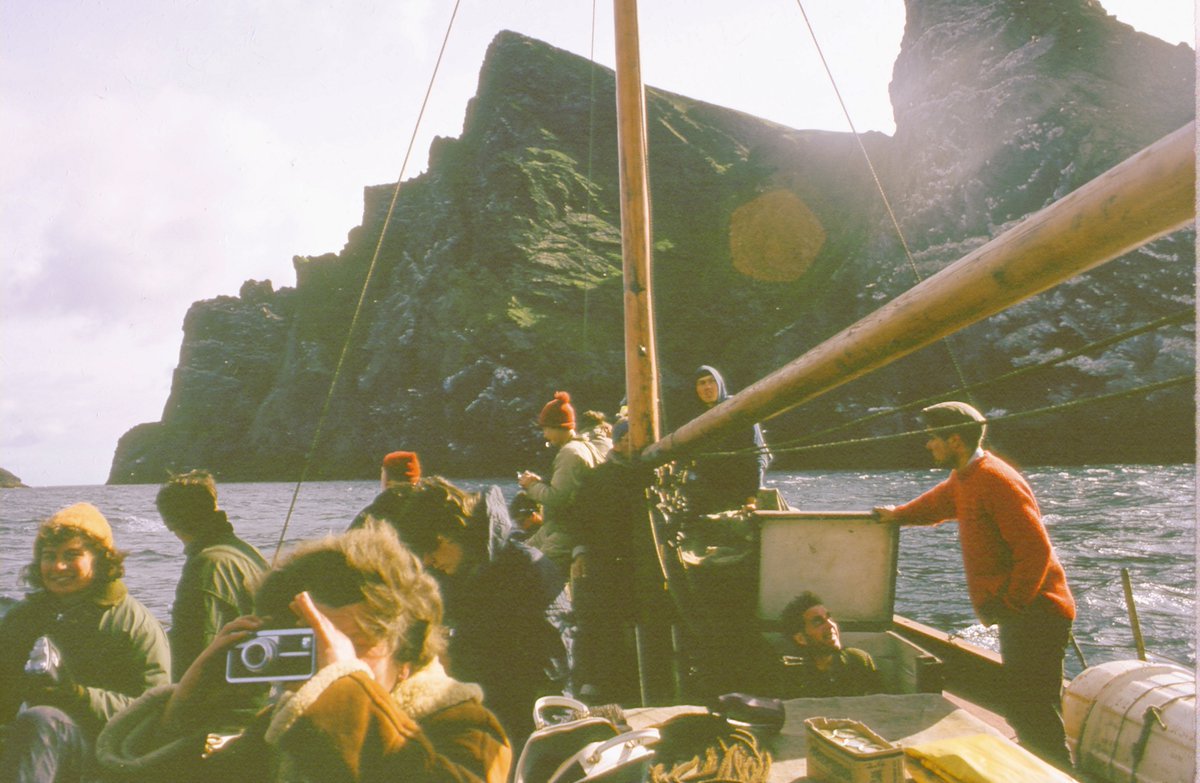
x: 905, y: 719
x: 985, y: 715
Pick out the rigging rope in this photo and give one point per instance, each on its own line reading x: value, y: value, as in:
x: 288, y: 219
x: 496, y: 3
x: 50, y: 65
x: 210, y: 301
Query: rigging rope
x: 887, y: 204
x: 1182, y: 316
x: 312, y: 449
x: 1178, y: 380
x: 587, y: 237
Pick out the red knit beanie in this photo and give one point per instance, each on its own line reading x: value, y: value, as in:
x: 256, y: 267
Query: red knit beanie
x: 403, y: 464
x: 558, y: 413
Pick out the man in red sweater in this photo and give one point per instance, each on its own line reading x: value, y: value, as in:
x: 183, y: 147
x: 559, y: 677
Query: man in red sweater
x: 1014, y: 577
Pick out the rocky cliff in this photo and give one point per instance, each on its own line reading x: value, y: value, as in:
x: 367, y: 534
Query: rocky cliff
x: 499, y: 279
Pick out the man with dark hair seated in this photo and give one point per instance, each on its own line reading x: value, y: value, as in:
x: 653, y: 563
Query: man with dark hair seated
x: 526, y: 515
x: 819, y: 665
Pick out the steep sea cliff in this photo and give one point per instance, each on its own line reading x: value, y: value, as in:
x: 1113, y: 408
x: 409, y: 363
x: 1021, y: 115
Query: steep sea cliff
x: 499, y: 279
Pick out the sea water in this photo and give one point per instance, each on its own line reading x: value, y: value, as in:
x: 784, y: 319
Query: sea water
x: 1100, y: 518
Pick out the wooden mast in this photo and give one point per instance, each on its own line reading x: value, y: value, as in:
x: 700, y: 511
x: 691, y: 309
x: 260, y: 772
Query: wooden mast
x: 641, y: 359
x: 1147, y: 196
x: 656, y: 657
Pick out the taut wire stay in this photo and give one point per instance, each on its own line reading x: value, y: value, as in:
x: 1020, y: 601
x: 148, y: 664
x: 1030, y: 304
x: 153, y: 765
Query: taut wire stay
x: 887, y: 204
x: 362, y: 296
x: 1179, y: 317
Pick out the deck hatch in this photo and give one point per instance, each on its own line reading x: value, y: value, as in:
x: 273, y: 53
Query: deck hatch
x: 845, y: 557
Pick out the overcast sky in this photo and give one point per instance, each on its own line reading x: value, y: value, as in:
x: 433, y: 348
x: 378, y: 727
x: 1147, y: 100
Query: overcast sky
x: 159, y: 152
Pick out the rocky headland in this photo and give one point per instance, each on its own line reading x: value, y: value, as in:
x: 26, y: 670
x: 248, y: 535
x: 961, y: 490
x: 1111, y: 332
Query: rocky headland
x: 10, y: 481
x: 500, y: 274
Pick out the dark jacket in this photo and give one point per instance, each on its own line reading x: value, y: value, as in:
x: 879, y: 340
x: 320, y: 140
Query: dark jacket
x: 502, y: 636
x: 851, y: 673
x: 723, y: 481
x: 111, y: 644
x: 610, y: 519
x: 495, y: 605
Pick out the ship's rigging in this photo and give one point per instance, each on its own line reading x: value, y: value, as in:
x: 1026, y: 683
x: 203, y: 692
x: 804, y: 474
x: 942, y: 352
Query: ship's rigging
x: 1148, y: 196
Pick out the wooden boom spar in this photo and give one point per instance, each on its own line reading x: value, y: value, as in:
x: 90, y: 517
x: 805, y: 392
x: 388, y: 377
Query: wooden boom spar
x: 1145, y: 197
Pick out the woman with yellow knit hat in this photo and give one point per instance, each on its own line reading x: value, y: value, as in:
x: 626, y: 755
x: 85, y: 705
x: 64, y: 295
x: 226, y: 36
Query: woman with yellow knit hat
x: 75, y: 652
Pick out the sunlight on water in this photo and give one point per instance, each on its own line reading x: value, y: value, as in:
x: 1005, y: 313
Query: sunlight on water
x: 1100, y: 518
x: 981, y: 635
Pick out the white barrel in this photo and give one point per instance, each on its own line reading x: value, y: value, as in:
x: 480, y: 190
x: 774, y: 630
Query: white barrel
x: 1133, y: 721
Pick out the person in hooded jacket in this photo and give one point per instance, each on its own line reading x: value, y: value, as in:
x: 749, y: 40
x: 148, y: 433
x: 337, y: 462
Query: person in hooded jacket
x: 727, y: 473
x: 110, y: 650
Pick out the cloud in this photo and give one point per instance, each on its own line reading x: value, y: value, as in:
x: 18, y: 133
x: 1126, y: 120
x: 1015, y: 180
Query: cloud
x: 152, y: 158
x: 162, y: 200
x: 158, y: 152
x: 69, y: 388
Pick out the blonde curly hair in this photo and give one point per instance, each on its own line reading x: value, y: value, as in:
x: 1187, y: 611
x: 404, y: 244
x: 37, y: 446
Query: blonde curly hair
x: 368, y: 565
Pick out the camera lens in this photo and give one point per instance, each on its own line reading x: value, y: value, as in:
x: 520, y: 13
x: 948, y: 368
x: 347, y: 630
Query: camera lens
x: 257, y: 654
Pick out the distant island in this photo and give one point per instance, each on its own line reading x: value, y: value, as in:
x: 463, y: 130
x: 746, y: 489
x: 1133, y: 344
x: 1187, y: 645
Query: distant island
x: 10, y: 481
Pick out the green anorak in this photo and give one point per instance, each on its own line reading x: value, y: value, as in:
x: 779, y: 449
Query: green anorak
x: 216, y: 586
x: 852, y: 672
x: 112, y: 646
x: 555, y: 537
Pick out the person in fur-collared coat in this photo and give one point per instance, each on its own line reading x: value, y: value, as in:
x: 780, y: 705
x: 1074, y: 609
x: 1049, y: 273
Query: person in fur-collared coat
x: 379, y: 708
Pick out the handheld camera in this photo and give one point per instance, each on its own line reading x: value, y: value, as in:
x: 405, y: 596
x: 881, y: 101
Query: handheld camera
x: 277, y: 655
x: 45, y: 663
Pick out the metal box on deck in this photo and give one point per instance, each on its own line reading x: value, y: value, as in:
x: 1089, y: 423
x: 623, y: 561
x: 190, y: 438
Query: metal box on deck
x: 840, y: 761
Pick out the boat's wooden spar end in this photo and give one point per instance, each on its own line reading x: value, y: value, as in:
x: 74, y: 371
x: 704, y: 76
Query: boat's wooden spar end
x: 641, y: 376
x: 1147, y: 196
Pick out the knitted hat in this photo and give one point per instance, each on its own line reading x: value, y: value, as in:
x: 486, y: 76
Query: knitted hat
x: 83, y: 517
x: 403, y: 463
x: 558, y: 413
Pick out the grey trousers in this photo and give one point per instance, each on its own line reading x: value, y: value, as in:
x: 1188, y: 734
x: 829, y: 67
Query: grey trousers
x: 45, y: 745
